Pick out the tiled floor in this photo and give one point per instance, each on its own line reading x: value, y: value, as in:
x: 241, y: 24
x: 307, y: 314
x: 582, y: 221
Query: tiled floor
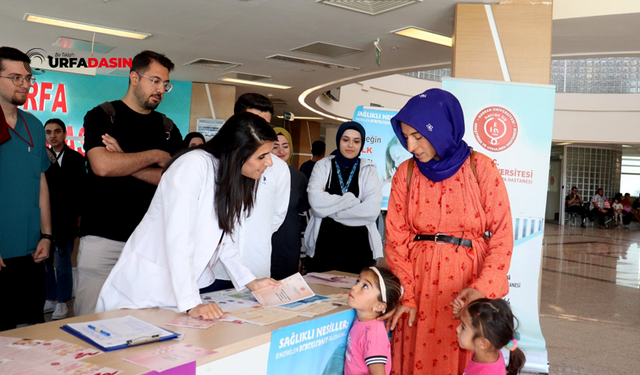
x: 590, y: 301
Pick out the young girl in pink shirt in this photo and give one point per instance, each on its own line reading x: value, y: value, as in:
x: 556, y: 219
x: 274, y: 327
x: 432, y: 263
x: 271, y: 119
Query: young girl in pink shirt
x: 368, y: 349
x: 486, y: 326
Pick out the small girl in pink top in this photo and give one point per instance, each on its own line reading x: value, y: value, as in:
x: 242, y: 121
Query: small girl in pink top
x: 368, y: 349
x: 486, y: 326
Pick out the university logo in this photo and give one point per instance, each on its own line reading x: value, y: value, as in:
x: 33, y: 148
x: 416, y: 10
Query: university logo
x: 495, y: 128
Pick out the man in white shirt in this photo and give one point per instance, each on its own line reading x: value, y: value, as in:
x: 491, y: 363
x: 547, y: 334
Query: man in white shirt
x: 597, y: 207
x: 269, y: 208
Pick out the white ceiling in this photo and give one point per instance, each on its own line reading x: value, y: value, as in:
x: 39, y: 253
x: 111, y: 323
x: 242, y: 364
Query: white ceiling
x: 247, y: 31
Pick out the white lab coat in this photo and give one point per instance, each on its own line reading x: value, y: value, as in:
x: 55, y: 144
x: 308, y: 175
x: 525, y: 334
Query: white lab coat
x: 171, y: 254
x: 269, y: 211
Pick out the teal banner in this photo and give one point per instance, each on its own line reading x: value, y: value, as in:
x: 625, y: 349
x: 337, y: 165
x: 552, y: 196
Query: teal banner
x: 316, y: 347
x: 70, y: 96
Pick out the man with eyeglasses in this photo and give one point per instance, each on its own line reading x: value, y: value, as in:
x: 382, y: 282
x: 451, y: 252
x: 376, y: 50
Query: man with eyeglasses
x: 126, y: 150
x: 25, y: 223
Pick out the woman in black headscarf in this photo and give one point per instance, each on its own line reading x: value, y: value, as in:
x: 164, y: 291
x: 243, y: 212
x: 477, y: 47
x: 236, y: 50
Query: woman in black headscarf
x: 193, y: 139
x: 345, y: 197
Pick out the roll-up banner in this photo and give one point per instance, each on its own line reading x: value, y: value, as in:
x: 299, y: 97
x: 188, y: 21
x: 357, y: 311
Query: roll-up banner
x: 381, y: 145
x: 511, y: 123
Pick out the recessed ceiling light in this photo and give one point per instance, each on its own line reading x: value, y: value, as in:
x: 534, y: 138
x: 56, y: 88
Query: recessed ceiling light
x: 84, y: 26
x: 82, y: 45
x: 255, y: 83
x: 421, y: 34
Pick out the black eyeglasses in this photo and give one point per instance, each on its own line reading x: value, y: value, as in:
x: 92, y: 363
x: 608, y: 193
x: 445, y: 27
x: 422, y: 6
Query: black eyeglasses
x: 156, y: 82
x: 19, y: 80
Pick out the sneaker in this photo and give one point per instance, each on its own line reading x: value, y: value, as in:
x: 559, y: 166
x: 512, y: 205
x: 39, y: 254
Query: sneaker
x: 49, y: 306
x: 61, y: 311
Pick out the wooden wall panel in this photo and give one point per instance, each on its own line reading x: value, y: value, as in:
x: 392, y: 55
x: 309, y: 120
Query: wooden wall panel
x: 223, y: 98
x: 525, y: 33
x: 474, y: 53
x: 300, y: 134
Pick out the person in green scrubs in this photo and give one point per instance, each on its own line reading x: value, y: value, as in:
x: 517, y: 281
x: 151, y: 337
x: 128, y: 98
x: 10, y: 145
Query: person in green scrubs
x: 25, y: 223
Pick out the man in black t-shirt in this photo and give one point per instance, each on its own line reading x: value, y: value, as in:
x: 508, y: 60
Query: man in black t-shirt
x: 126, y: 150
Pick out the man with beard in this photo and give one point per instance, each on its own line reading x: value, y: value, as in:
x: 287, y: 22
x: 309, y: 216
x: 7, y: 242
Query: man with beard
x: 25, y: 223
x: 126, y: 146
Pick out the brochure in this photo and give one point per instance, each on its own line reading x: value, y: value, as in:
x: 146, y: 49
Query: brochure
x: 291, y: 289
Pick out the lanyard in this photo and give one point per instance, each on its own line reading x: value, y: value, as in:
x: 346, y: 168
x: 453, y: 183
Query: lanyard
x: 342, y: 185
x: 30, y: 143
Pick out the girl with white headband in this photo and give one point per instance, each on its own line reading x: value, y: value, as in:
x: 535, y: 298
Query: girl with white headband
x: 368, y: 349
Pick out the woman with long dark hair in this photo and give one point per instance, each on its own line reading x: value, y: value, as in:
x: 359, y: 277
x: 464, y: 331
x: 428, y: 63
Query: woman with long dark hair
x: 202, y: 195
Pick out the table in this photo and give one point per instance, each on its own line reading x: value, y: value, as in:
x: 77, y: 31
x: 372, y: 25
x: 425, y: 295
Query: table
x: 241, y: 348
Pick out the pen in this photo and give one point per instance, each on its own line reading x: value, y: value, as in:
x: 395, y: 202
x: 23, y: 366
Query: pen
x: 99, y: 330
x: 144, y: 339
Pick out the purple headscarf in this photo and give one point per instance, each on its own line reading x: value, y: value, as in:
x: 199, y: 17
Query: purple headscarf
x: 437, y: 115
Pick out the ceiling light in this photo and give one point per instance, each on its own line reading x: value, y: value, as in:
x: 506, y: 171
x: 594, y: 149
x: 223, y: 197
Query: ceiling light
x: 254, y: 83
x: 84, y: 26
x: 82, y: 45
x: 305, y: 118
x: 427, y: 36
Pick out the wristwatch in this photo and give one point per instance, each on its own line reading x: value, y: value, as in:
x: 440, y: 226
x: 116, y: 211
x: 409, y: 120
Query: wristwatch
x: 47, y: 236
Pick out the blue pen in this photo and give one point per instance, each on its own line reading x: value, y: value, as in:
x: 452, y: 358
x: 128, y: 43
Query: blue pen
x: 99, y: 330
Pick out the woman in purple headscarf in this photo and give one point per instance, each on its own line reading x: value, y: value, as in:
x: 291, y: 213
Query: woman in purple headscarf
x: 443, y: 201
x: 345, y: 197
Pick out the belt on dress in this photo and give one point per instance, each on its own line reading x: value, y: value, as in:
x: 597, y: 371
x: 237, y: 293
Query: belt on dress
x: 441, y: 238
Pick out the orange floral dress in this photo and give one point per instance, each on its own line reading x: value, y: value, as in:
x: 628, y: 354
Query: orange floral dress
x: 433, y: 274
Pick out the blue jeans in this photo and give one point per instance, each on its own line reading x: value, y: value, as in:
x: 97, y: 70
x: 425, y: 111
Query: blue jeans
x: 60, y: 282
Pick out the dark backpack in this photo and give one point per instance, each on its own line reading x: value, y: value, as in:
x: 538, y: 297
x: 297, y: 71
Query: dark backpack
x: 111, y: 111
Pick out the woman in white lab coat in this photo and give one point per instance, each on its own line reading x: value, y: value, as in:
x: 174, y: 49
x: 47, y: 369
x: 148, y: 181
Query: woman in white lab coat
x: 201, y: 197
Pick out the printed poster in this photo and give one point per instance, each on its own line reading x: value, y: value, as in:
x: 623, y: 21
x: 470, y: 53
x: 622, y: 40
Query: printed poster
x: 381, y: 145
x: 512, y: 123
x: 209, y: 127
x: 315, y: 347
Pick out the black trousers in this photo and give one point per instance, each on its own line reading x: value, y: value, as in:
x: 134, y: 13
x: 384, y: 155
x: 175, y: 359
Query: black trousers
x: 23, y: 287
x: 600, y: 215
x: 580, y: 210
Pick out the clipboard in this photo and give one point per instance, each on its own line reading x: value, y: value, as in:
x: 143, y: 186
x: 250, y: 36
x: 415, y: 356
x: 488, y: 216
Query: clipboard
x: 118, y: 333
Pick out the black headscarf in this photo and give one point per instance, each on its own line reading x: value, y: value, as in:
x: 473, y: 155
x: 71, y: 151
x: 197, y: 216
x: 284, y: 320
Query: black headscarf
x: 343, y: 161
x: 191, y: 136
